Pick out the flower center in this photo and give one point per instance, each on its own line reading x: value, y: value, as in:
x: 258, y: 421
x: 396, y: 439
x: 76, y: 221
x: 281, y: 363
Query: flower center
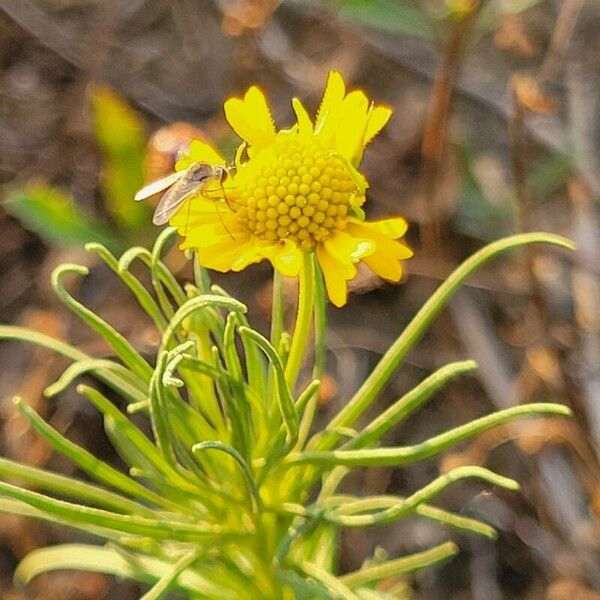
x: 297, y: 191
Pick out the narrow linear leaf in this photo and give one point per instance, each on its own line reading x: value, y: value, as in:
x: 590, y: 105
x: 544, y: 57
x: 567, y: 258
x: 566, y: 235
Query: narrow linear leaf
x: 243, y: 465
x: 380, y: 457
x: 381, y: 374
x: 124, y: 350
x: 399, y: 566
x: 331, y: 583
x: 69, y: 487
x: 142, y: 295
x: 286, y: 403
x: 88, y: 462
x: 130, y: 385
x: 104, y: 560
x: 126, y: 524
x: 168, y: 580
x: 410, y: 402
x: 127, y: 429
x: 345, y: 516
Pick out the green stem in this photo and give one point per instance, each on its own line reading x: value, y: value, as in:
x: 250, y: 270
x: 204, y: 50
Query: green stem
x: 306, y: 302
x: 277, y: 310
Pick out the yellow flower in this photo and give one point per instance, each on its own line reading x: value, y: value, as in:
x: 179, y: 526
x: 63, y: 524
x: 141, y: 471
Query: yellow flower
x: 294, y: 191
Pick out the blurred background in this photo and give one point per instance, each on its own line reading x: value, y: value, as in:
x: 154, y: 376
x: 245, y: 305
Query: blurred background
x: 496, y: 130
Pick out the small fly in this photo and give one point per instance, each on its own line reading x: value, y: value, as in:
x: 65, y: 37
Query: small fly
x: 180, y: 187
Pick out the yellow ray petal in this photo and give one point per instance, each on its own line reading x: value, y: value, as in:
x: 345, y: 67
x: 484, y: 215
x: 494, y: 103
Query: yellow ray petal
x: 252, y: 254
x: 329, y: 112
x: 198, y: 151
x: 251, y: 118
x: 222, y: 255
x: 335, y: 282
x: 393, y: 228
x: 258, y: 112
x: 305, y: 126
x: 201, y: 234
x: 285, y: 257
x: 384, y: 266
x: 392, y: 248
x: 348, y: 250
x: 350, y: 133
x: 377, y: 119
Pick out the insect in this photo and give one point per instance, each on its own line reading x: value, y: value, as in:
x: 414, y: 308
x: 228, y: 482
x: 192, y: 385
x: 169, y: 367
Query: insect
x: 179, y: 187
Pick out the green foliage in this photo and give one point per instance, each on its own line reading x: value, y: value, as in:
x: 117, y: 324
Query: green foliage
x: 120, y: 134
x: 475, y: 214
x: 55, y: 217
x: 388, y: 15
x: 234, y: 495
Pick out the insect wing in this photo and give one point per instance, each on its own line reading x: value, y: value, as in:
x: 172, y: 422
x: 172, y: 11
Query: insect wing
x: 173, y: 199
x: 160, y: 185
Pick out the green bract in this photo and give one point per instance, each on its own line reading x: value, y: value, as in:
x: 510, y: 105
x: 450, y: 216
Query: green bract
x: 235, y: 496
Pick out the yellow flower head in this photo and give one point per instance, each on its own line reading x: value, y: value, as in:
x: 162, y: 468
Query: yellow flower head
x: 294, y: 191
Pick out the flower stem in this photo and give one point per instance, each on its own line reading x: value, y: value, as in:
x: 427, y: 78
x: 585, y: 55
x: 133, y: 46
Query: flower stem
x: 306, y: 302
x: 277, y: 310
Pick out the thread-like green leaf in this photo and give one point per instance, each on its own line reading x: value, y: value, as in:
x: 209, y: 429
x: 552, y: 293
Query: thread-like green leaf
x: 88, y: 462
x: 124, y: 350
x: 284, y: 397
x: 169, y: 580
x: 389, y: 457
x: 130, y: 385
x: 158, y: 529
x: 410, y: 402
x: 128, y: 431
x: 381, y: 374
x: 69, y: 487
x: 346, y: 516
x: 331, y: 583
x: 395, y: 567
x: 243, y: 465
x: 105, y: 560
x: 142, y: 295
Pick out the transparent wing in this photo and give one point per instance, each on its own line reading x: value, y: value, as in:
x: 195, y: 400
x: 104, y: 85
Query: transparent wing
x: 173, y: 199
x: 158, y: 186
